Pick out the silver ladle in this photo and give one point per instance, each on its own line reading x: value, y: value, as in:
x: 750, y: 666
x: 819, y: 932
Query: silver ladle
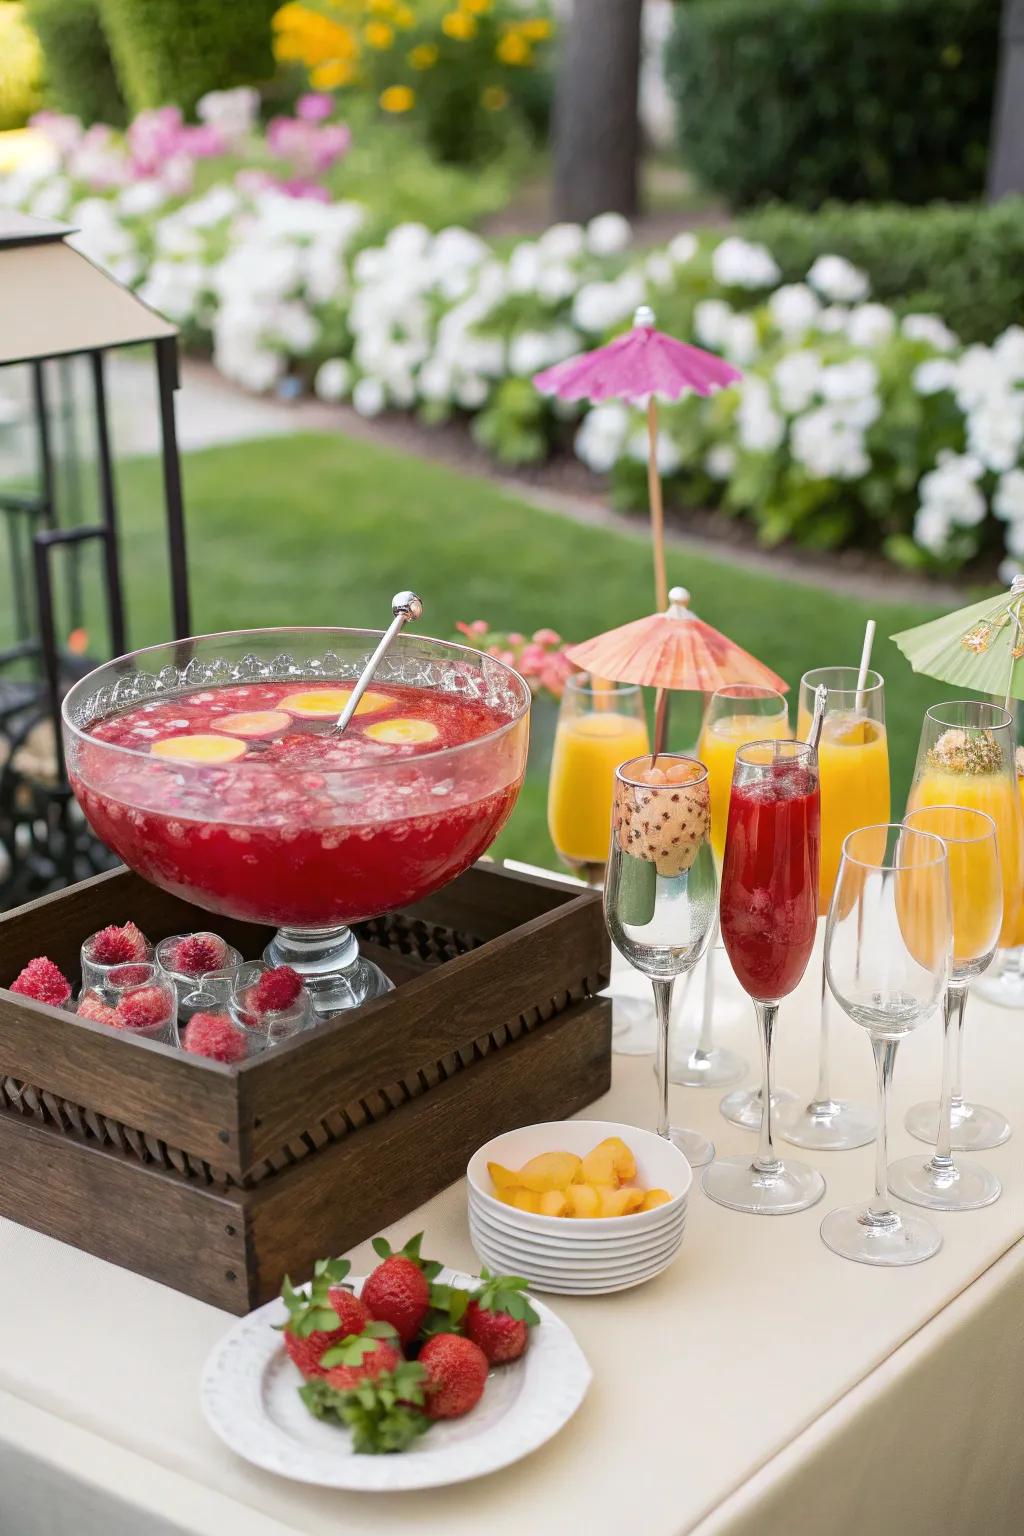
x: 404, y: 606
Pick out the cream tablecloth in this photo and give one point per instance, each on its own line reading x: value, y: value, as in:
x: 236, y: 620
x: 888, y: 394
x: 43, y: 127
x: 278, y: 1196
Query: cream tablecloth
x: 760, y: 1386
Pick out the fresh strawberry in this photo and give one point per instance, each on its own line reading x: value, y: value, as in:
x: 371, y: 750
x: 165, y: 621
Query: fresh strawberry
x: 499, y: 1317
x: 360, y: 1357
x: 93, y: 1007
x: 43, y: 981
x: 398, y: 1291
x: 198, y: 953
x: 456, y: 1375
x: 116, y: 946
x: 145, y: 1008
x: 214, y: 1035
x: 322, y: 1316
x: 384, y: 1415
x: 277, y: 989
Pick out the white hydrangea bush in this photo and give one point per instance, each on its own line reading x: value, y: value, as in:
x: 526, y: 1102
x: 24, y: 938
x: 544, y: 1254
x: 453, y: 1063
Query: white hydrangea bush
x: 852, y: 424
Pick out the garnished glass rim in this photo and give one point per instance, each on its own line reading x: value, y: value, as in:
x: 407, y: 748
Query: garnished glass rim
x: 673, y: 757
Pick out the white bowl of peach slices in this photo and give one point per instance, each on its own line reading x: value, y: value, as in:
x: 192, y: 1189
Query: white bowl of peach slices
x: 578, y: 1206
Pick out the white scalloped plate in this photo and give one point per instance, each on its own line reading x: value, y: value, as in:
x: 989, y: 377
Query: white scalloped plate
x: 250, y: 1399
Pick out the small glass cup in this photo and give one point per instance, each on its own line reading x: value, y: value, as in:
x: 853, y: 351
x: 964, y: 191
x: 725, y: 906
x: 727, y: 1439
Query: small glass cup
x: 98, y: 978
x: 186, y: 982
x: 275, y: 1025
x: 137, y: 999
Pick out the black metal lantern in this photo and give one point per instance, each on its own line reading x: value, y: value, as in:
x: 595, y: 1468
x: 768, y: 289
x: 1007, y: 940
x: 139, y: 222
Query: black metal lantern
x: 56, y: 305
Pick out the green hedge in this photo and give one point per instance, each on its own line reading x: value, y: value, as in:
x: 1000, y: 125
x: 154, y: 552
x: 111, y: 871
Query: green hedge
x: 79, y: 72
x: 20, y: 66
x: 173, y: 51
x: 811, y: 99
x: 964, y: 263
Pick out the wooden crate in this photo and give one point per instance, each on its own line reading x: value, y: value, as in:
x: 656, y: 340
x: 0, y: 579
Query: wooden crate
x: 219, y: 1179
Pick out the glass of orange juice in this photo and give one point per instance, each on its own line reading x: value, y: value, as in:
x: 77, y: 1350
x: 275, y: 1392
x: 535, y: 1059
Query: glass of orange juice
x: 600, y: 725
x: 967, y: 758
x: 735, y: 716
x: 853, y: 765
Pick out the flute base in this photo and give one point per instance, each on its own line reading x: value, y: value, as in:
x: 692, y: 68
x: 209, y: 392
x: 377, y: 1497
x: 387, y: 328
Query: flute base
x: 736, y: 1183
x: 336, y: 975
x: 974, y: 1127
x: 697, y: 1149
x: 901, y: 1237
x: 745, y: 1106
x: 966, y: 1186
x: 717, y: 1068
x: 829, y: 1125
x: 1003, y: 982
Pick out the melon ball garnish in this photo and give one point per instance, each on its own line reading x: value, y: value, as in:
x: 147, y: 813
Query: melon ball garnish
x: 254, y: 723
x: 328, y: 703
x: 199, y: 748
x: 402, y: 733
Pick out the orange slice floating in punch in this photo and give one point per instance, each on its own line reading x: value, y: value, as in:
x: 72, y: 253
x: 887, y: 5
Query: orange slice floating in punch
x: 253, y: 722
x: 328, y: 703
x: 199, y: 748
x: 402, y: 733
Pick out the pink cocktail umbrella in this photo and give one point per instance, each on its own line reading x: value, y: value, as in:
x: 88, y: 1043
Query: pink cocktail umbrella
x: 641, y: 366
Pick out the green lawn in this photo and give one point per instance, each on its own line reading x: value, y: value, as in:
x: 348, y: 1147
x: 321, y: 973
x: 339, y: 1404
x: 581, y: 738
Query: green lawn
x: 323, y: 529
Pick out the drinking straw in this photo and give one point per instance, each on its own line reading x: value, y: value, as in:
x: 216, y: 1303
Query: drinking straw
x: 865, y: 659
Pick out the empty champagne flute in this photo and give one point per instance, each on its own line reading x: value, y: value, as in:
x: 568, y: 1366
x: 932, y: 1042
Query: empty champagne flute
x: 769, y: 915
x: 888, y: 946
x: 942, y: 1183
x: 660, y: 893
x: 966, y: 757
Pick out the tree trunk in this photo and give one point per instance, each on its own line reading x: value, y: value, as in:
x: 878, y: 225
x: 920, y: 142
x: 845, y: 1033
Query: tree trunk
x: 1006, y: 154
x: 596, y: 125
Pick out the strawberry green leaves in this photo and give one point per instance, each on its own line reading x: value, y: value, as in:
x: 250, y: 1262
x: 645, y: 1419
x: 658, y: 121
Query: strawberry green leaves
x: 505, y: 1293
x: 311, y: 1311
x: 385, y: 1415
x: 383, y: 1249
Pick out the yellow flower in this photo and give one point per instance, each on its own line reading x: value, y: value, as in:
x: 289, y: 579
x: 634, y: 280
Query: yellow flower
x: 458, y: 25
x: 475, y: 7
x: 290, y: 15
x: 382, y: 7
x: 405, y: 17
x: 379, y: 35
x: 325, y: 77
x: 493, y: 98
x: 514, y: 49
x: 398, y: 98
x: 536, y: 30
x: 423, y: 56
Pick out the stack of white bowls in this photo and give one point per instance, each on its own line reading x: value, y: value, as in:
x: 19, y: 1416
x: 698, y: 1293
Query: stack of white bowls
x: 575, y: 1256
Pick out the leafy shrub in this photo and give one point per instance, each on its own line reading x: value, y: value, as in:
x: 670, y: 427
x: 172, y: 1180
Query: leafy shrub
x: 78, y: 70
x: 811, y: 99
x: 20, y: 67
x: 964, y: 263
x: 468, y: 73
x: 174, y: 51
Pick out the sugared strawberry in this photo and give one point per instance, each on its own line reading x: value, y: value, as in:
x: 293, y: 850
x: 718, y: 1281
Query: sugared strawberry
x: 116, y: 946
x: 456, y: 1375
x: 93, y: 1007
x: 361, y: 1357
x: 398, y: 1291
x: 144, y: 1009
x: 198, y: 953
x: 499, y: 1317
x: 276, y: 990
x: 321, y: 1316
x: 214, y: 1035
x: 43, y: 981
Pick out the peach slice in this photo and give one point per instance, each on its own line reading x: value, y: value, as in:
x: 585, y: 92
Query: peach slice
x: 199, y: 748
x: 554, y: 1202
x: 503, y: 1178
x: 623, y: 1161
x: 584, y: 1200
x: 634, y: 1200
x: 328, y: 703
x: 253, y: 722
x: 613, y: 1202
x: 526, y: 1200
x: 599, y: 1166
x: 402, y: 733
x: 655, y: 1197
x: 549, y: 1170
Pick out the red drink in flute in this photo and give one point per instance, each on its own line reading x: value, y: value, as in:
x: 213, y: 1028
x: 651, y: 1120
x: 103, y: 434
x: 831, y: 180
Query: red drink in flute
x: 769, y: 913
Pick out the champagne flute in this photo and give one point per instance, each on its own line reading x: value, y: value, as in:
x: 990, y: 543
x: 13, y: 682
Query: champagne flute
x: 600, y: 724
x: 769, y: 914
x: 661, y: 892
x: 976, y: 890
x: 853, y: 761
x: 735, y: 715
x: 966, y: 757
x: 888, y: 945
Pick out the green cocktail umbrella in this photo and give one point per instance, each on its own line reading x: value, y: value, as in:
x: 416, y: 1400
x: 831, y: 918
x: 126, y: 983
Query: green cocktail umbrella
x: 980, y: 647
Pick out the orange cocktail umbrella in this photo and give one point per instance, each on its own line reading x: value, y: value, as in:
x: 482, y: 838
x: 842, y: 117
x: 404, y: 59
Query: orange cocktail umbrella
x: 672, y: 650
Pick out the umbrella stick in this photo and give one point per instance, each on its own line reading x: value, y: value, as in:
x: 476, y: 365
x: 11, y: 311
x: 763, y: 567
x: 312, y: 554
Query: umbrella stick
x: 657, y: 507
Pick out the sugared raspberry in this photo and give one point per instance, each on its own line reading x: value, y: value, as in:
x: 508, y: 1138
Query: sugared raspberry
x: 131, y: 975
x: 213, y: 1035
x: 198, y: 953
x: 277, y: 989
x: 92, y: 1007
x: 115, y: 946
x: 143, y: 1009
x: 44, y: 982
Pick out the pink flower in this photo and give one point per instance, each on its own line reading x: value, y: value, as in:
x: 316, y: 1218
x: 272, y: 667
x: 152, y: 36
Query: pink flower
x: 546, y: 637
x: 515, y: 638
x: 311, y: 149
x: 252, y: 181
x: 478, y: 627
x: 554, y: 673
x: 314, y: 107
x: 202, y: 142
x: 531, y: 659
x: 299, y: 186
x: 62, y: 130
